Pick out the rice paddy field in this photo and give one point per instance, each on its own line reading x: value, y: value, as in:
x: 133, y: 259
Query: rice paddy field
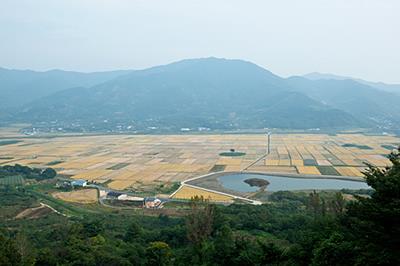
x: 186, y: 192
x: 126, y: 161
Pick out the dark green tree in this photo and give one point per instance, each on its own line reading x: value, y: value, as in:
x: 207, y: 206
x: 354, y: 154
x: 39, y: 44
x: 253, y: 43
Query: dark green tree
x: 9, y: 255
x: 224, y: 246
x: 25, y: 249
x: 134, y: 232
x: 45, y: 257
x: 314, y: 203
x: 271, y: 254
x: 199, y: 222
x: 373, y: 223
x: 334, y: 251
x: 158, y: 253
x: 337, y: 204
x: 199, y: 227
x: 92, y: 228
x: 48, y: 173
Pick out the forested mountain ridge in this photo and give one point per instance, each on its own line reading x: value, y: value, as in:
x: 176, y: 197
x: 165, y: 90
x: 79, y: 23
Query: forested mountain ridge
x: 394, y: 88
x: 217, y: 94
x: 18, y: 87
x: 360, y: 100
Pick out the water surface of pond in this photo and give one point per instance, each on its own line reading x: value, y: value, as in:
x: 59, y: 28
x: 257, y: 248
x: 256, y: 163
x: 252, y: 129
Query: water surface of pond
x: 236, y: 182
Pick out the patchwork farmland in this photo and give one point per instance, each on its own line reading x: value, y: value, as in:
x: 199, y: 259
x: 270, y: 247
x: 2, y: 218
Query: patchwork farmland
x: 128, y: 161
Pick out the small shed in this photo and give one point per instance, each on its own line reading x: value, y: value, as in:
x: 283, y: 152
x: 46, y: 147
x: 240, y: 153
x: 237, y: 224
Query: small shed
x: 79, y: 183
x: 130, y: 198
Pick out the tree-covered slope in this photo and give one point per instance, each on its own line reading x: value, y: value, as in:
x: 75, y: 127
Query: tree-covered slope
x: 360, y: 100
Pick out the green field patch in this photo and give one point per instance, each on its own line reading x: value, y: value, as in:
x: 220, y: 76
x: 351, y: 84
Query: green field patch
x: 217, y: 168
x: 12, y: 180
x: 168, y: 188
x: 389, y: 147
x: 337, y: 162
x: 118, y: 166
x: 327, y: 170
x: 310, y: 162
x: 232, y: 154
x: 6, y: 158
x: 9, y: 142
x: 361, y: 147
x: 54, y: 162
x: 333, y: 160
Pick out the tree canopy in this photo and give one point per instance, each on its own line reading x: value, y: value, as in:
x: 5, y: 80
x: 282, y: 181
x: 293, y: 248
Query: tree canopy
x: 318, y: 228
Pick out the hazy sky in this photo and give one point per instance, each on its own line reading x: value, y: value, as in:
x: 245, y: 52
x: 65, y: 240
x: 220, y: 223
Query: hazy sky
x: 359, y: 38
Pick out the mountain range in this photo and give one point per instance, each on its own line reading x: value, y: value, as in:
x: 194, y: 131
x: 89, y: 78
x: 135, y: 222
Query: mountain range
x: 207, y: 93
x: 394, y: 88
x: 19, y: 87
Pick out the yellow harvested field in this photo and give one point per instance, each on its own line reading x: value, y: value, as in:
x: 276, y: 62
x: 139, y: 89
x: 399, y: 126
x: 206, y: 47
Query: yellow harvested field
x: 92, y: 174
x: 297, y: 162
x: 84, y: 196
x: 125, y: 160
x: 273, y: 169
x: 186, y: 192
x: 348, y: 171
x: 121, y: 184
x: 271, y: 162
x: 308, y: 170
x: 233, y: 168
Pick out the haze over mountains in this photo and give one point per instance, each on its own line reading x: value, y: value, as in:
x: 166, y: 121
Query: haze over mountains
x: 19, y: 87
x: 395, y: 88
x: 217, y: 94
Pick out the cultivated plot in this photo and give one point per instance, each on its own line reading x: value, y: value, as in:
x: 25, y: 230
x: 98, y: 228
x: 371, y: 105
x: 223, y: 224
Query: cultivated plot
x: 123, y: 161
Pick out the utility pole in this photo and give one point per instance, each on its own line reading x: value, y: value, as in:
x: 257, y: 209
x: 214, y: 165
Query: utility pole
x: 269, y: 142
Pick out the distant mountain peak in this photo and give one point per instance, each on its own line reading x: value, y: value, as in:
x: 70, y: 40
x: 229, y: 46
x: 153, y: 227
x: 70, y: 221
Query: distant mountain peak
x: 210, y: 65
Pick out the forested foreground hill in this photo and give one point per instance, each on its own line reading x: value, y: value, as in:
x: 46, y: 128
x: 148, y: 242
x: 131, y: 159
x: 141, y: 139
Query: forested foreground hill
x: 293, y: 229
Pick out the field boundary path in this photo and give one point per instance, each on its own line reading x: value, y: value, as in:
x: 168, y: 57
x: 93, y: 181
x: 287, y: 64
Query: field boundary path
x: 262, y: 157
x: 253, y: 163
